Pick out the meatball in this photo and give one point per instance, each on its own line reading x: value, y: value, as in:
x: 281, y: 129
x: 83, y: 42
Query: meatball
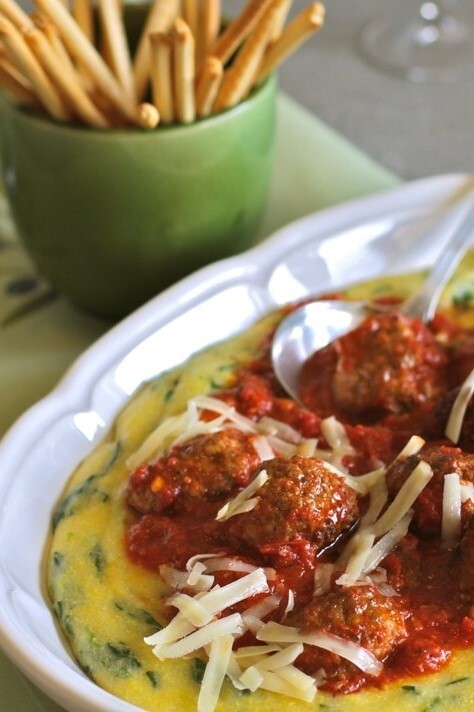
x: 207, y: 467
x: 389, y: 365
x: 303, y: 501
x: 361, y: 614
x: 443, y: 460
x: 466, y: 563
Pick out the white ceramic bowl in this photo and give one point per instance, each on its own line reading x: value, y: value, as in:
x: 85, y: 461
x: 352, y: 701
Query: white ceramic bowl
x: 389, y: 233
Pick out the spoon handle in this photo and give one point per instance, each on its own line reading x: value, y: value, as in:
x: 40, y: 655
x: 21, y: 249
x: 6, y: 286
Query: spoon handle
x: 424, y: 303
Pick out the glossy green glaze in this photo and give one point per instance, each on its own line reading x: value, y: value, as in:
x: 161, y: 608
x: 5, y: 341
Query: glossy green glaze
x: 112, y: 217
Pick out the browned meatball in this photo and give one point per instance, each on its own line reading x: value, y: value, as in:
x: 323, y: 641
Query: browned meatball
x: 389, y: 365
x: 466, y: 562
x: 443, y: 460
x: 360, y: 614
x: 302, y: 501
x: 206, y: 467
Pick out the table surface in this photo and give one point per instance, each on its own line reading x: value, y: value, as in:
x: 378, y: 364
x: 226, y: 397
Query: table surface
x: 413, y: 129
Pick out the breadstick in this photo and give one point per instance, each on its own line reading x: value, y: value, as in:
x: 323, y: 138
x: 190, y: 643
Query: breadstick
x: 184, y: 71
x: 79, y: 47
x: 208, y: 85
x: 66, y: 80
x: 280, y: 20
x: 15, y: 14
x: 209, y: 25
x: 148, y: 116
x: 161, y: 75
x: 302, y: 27
x: 160, y: 18
x: 49, y: 29
x: 239, y: 78
x: 16, y: 85
x: 238, y: 30
x: 21, y: 57
x: 116, y: 40
x: 190, y: 14
x: 82, y: 13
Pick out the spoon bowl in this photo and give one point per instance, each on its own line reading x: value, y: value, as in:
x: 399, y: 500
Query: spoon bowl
x: 316, y: 324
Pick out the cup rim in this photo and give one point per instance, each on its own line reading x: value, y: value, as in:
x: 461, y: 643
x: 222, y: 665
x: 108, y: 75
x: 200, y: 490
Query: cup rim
x: 47, y: 123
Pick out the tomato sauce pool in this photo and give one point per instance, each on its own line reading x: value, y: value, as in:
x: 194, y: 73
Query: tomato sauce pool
x: 390, y: 379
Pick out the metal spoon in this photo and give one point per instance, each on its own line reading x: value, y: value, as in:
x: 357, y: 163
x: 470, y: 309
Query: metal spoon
x: 315, y: 325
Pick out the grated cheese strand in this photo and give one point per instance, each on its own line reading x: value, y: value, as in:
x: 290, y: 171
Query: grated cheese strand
x: 378, y: 499
x: 385, y: 545
x: 275, y: 682
x: 362, y: 543
x: 223, y: 597
x: 407, y: 494
x: 412, y: 447
x: 215, y: 672
x: 263, y: 448
x: 251, y: 679
x: 361, y: 657
x: 253, y: 651
x: 175, y: 629
x: 296, y: 677
x: 230, y: 625
x: 451, y: 517
x: 458, y: 410
x: 281, y: 658
x: 322, y: 578
x: 155, y: 442
x: 335, y: 435
x: 229, y: 509
x: 191, y: 608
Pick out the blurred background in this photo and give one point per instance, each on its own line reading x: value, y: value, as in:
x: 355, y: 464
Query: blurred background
x: 415, y: 129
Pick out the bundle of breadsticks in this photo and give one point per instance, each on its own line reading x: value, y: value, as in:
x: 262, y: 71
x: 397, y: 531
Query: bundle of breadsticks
x: 75, y: 63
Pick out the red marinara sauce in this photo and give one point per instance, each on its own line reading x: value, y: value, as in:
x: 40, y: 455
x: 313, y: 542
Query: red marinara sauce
x: 391, y: 378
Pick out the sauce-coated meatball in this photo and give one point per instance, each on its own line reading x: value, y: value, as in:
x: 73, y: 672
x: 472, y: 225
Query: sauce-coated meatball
x: 443, y: 460
x: 361, y: 614
x: 207, y: 467
x: 389, y: 365
x: 302, y: 501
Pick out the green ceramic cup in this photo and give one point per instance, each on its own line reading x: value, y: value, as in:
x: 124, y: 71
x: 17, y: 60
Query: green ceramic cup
x: 111, y: 218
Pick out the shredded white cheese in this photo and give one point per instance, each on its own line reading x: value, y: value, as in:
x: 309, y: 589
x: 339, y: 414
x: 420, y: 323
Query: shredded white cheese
x: 356, y: 654
x: 336, y: 437
x: 412, y: 447
x: 215, y: 672
x: 385, y: 545
x: 240, y: 503
x: 378, y: 499
x: 458, y: 410
x: 406, y: 496
x: 451, y: 517
x: 322, y: 578
x: 263, y: 448
x: 230, y: 625
x: 362, y: 545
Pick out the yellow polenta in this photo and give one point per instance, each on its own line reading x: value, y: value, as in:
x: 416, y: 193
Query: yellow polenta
x: 106, y: 605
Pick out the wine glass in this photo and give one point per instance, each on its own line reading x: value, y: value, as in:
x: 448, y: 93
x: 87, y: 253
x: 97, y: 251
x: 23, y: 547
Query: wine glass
x: 431, y: 40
